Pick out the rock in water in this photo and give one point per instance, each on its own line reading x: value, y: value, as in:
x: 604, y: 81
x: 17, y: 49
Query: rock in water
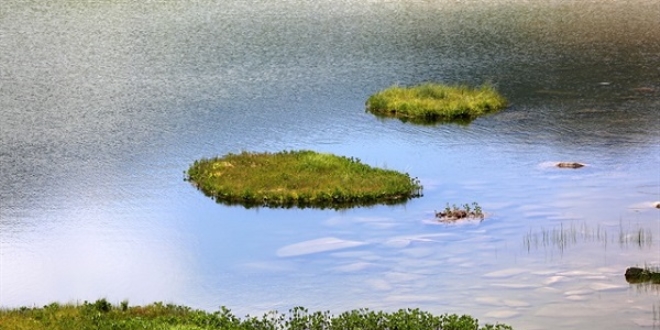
x: 569, y: 165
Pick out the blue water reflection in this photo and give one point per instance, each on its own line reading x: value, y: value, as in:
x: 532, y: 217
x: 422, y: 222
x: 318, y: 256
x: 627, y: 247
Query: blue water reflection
x: 105, y: 105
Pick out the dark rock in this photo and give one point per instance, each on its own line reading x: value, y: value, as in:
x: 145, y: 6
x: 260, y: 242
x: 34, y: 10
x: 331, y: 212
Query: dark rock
x: 634, y: 271
x: 569, y: 165
x: 635, y: 275
x: 453, y: 215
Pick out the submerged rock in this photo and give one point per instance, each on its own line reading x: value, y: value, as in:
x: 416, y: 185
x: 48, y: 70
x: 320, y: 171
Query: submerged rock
x: 569, y: 165
x: 326, y: 244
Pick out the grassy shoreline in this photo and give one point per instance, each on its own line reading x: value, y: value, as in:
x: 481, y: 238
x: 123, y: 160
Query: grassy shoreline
x: 299, y: 178
x: 102, y: 315
x: 431, y: 103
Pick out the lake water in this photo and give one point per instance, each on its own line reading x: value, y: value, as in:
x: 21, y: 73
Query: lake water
x: 105, y: 104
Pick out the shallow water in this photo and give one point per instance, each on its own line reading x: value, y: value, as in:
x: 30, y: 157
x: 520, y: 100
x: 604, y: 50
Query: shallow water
x: 104, y: 105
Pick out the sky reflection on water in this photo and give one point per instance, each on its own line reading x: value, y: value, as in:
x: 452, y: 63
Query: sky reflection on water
x: 105, y: 105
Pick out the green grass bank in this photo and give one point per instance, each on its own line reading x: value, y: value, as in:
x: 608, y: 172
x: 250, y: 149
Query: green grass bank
x: 431, y: 103
x: 299, y: 178
x: 101, y: 315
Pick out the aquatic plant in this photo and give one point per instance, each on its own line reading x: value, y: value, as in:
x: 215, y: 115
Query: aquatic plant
x: 639, y: 236
x: 101, y: 315
x: 455, y: 213
x: 431, y: 103
x: 299, y: 178
x: 565, y: 236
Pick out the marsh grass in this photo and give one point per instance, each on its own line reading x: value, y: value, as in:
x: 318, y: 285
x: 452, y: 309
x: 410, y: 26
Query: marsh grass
x: 430, y: 103
x: 637, y: 237
x: 101, y: 315
x: 563, y: 237
x: 299, y: 178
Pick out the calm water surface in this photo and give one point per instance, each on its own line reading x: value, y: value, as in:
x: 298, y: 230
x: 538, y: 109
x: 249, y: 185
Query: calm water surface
x: 105, y: 104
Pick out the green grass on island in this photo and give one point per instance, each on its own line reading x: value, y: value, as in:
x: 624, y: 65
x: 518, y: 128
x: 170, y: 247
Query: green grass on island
x: 431, y: 103
x: 301, y: 179
x: 102, y: 315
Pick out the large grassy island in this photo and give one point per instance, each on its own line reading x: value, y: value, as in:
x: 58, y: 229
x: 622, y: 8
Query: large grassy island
x: 101, y: 315
x: 299, y: 178
x: 431, y: 103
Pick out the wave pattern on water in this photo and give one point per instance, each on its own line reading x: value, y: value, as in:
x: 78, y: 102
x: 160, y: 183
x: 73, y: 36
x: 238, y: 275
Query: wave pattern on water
x: 105, y: 104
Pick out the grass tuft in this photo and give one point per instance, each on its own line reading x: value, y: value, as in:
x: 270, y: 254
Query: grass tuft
x: 299, y: 178
x: 430, y: 103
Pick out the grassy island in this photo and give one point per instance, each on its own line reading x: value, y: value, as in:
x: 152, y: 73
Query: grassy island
x: 299, y: 178
x: 101, y: 315
x: 431, y: 103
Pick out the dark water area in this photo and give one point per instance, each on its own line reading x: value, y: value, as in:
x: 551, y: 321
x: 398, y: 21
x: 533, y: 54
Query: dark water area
x: 104, y: 105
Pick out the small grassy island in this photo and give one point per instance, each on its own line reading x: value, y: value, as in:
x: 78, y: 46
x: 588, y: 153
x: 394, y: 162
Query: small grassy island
x: 454, y: 213
x: 102, y: 315
x: 430, y: 103
x: 299, y: 178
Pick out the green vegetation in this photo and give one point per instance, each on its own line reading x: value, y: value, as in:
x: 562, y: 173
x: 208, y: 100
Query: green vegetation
x: 299, y: 178
x: 102, y: 315
x: 647, y: 274
x: 431, y: 103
